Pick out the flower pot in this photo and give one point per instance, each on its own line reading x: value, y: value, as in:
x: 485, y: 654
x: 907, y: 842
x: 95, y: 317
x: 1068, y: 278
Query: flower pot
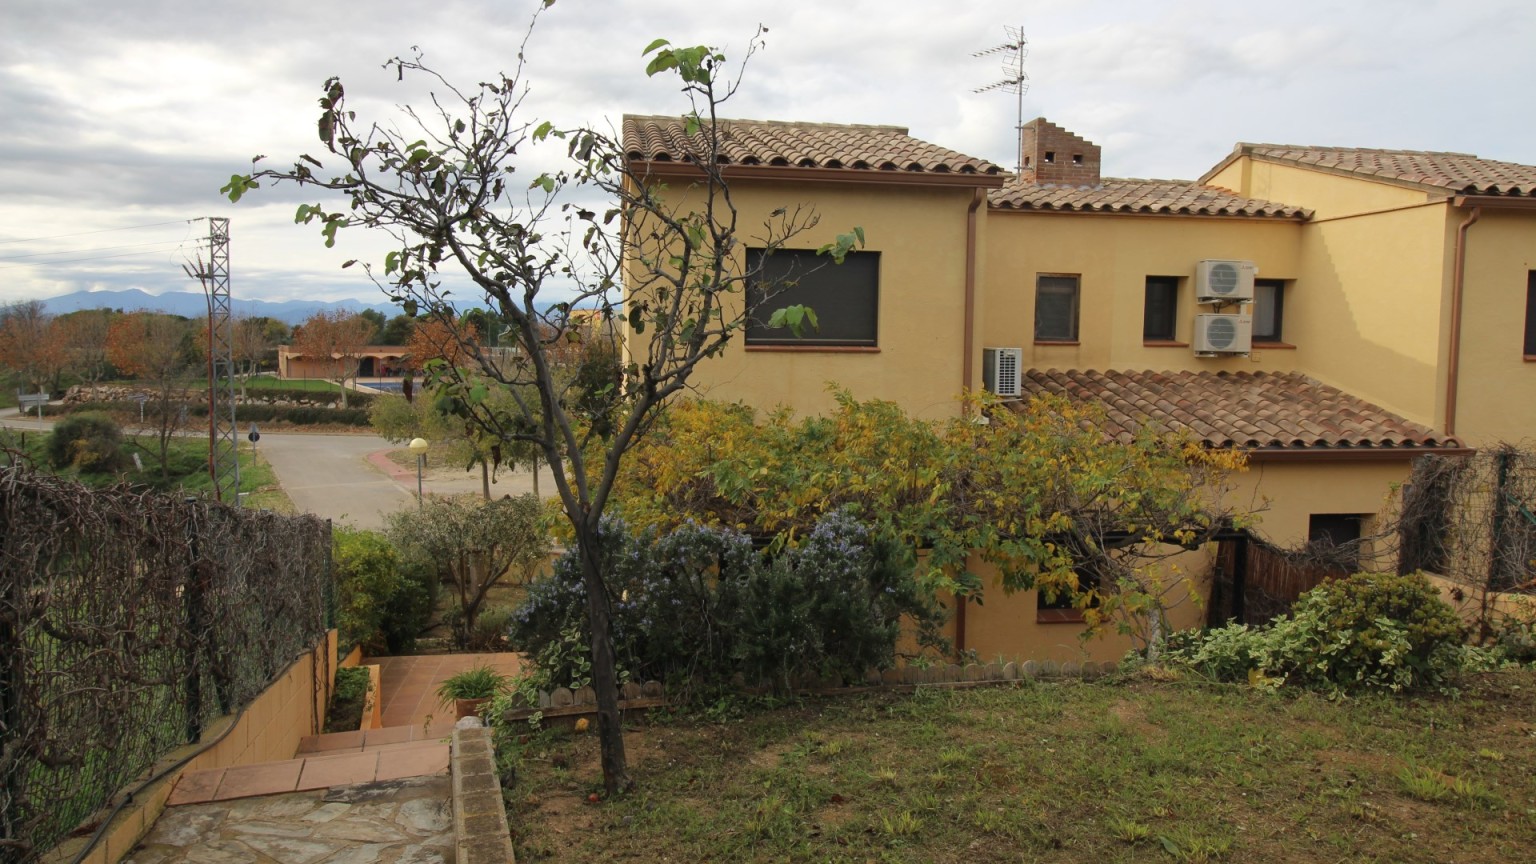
x: 468, y: 707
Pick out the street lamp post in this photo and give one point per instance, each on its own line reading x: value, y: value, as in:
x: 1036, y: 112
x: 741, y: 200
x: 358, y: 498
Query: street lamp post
x: 419, y: 447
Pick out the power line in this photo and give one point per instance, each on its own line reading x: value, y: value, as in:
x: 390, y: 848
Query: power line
x: 177, y: 242
x: 105, y: 230
x: 96, y: 258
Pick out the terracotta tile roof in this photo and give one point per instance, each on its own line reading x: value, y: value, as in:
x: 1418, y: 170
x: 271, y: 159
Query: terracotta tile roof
x: 1251, y: 410
x: 1461, y: 173
x: 800, y: 145
x: 1115, y: 195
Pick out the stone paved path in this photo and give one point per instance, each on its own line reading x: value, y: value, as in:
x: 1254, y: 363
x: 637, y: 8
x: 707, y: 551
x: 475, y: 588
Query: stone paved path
x: 389, y: 822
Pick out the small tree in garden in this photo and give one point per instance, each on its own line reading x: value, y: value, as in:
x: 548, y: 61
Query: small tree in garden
x: 446, y: 184
x: 1039, y: 492
x: 475, y: 545
x: 158, y: 350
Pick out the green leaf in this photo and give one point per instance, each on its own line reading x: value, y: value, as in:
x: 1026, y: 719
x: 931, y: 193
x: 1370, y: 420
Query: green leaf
x: 237, y: 186
x: 543, y: 131
x: 653, y: 46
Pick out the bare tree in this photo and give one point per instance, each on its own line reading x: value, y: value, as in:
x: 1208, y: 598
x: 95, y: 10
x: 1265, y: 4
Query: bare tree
x: 442, y: 183
x: 158, y: 350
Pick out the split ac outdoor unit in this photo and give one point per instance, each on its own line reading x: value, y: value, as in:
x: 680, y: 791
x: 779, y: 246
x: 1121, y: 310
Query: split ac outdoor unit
x: 1001, y: 369
x: 1217, y: 335
x: 1219, y: 281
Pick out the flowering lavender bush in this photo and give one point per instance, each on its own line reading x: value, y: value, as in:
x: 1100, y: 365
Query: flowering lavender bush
x: 702, y: 604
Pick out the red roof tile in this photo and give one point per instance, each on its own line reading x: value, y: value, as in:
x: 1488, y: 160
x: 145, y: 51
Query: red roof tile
x: 1114, y: 195
x: 1250, y: 410
x: 800, y: 145
x: 1460, y: 173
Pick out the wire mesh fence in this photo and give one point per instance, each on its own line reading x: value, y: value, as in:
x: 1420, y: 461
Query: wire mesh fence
x: 129, y: 621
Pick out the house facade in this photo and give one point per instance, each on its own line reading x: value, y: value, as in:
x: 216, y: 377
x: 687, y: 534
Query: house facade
x: 1391, y: 310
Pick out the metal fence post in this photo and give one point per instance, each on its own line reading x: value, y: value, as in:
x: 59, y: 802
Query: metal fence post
x: 192, y: 604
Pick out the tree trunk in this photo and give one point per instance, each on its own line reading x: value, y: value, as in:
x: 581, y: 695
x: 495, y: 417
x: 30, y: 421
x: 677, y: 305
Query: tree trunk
x: 485, y: 479
x: 610, y: 730
x: 535, y: 475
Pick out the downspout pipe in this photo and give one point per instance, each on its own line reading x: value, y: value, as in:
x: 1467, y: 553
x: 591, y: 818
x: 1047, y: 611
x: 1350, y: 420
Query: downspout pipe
x: 1458, y: 285
x: 972, y: 231
x: 967, y: 364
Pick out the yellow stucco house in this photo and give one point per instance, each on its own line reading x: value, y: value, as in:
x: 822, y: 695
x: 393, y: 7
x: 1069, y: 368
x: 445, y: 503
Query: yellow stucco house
x: 1334, y: 312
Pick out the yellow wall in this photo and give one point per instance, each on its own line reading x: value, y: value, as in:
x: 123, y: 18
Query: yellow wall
x: 1113, y: 256
x: 1326, y: 194
x: 1497, y: 398
x: 1282, y: 495
x: 920, y: 234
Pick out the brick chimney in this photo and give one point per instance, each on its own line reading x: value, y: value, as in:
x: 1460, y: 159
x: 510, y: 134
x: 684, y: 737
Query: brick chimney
x: 1054, y: 155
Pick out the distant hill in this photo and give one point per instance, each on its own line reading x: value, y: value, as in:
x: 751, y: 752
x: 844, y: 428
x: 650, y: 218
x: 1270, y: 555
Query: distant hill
x: 194, y: 305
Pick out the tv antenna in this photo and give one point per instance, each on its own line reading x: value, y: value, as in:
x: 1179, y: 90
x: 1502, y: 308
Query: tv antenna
x: 1017, y: 81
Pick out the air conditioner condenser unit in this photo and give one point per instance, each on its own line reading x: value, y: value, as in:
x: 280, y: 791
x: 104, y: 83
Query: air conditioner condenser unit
x: 1222, y: 335
x: 1223, y: 281
x: 1002, y: 370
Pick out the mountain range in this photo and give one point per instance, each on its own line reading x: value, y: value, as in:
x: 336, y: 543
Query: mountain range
x: 194, y: 305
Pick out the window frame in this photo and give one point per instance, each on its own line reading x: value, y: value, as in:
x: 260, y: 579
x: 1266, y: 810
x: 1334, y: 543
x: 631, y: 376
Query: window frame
x: 1530, y: 315
x: 753, y: 335
x: 1077, y: 299
x: 1172, y: 284
x: 1278, y: 337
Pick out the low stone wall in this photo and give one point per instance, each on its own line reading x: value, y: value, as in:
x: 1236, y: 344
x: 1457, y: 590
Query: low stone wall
x: 479, y: 817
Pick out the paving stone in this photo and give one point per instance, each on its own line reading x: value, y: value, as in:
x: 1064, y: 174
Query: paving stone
x: 272, y: 829
x: 359, y: 831
x: 425, y: 854
x: 289, y: 850
x: 425, y: 817
x: 361, y: 853
x: 326, y: 812
x: 380, y: 790
x: 185, y: 827
x: 222, y: 852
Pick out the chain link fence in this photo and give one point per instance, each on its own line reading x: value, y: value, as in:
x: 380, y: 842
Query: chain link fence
x: 128, y: 622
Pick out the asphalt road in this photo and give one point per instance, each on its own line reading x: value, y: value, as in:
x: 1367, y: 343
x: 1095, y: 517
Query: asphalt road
x: 332, y: 476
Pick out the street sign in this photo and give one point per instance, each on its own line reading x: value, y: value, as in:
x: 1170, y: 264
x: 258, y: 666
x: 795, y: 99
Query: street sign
x: 254, y: 434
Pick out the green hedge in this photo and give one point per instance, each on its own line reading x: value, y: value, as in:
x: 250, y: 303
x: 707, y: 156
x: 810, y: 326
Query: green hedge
x: 277, y: 395
x: 299, y: 415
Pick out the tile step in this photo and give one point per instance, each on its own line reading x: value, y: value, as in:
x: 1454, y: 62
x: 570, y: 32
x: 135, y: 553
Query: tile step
x: 316, y: 771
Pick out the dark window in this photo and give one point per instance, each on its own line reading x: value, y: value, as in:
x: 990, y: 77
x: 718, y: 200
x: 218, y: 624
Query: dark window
x: 845, y: 297
x: 1268, y: 309
x: 1056, y: 309
x: 1050, y: 156
x: 1159, y: 322
x: 1530, y: 312
x: 1064, y: 607
x: 1333, y: 530
x: 1077, y: 158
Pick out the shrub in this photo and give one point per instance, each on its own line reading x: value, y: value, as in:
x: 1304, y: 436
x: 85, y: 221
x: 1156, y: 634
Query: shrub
x: 702, y: 604
x: 347, y: 700
x: 367, y: 576
x: 90, y: 442
x: 1372, y: 631
x: 475, y: 545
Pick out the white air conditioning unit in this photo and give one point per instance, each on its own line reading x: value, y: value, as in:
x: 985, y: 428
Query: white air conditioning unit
x: 1218, y: 335
x: 1001, y: 370
x: 1218, y: 281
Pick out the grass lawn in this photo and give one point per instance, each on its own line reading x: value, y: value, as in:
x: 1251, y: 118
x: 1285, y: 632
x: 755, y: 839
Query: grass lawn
x: 1059, y: 772
x: 291, y: 384
x: 188, y: 464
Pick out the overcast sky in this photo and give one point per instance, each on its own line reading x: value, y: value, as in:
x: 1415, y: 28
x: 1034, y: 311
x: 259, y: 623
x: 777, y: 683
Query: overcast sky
x: 117, y: 114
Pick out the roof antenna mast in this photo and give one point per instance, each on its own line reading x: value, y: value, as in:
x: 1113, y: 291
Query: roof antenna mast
x: 1014, y: 51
